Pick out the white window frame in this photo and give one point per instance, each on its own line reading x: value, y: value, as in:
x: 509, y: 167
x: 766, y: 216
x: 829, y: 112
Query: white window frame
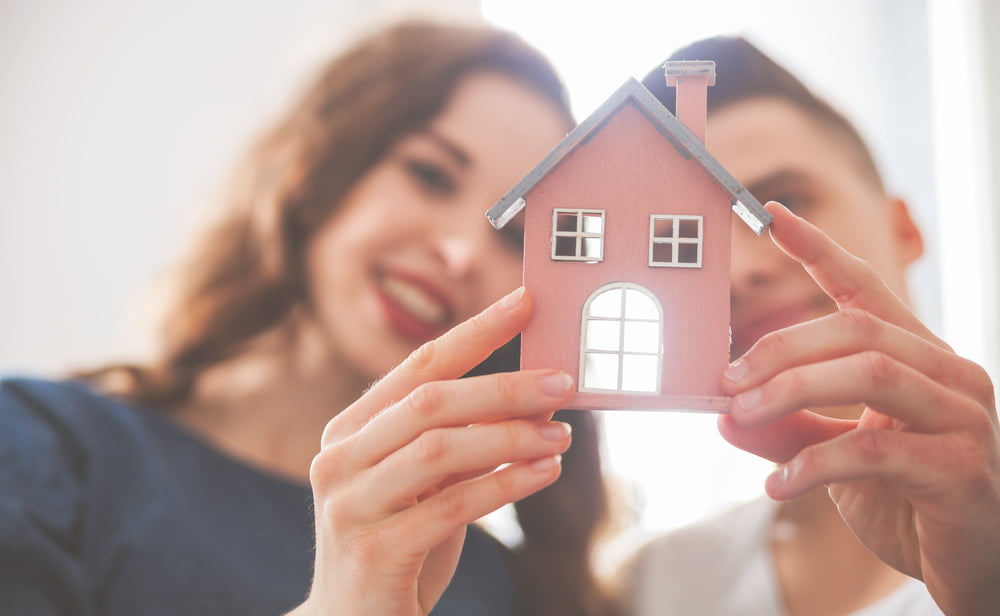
x: 621, y: 352
x: 579, y: 234
x: 675, y: 240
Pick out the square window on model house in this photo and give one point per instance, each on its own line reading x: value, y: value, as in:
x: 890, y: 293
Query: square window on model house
x: 675, y: 241
x: 577, y: 235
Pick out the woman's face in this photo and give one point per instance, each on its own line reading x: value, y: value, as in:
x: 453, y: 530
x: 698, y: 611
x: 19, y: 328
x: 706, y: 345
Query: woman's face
x: 410, y: 253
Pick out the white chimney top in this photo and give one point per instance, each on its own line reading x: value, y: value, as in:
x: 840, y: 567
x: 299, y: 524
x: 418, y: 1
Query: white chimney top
x: 689, y: 68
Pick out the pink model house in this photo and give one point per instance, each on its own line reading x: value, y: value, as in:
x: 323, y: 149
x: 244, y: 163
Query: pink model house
x: 627, y: 249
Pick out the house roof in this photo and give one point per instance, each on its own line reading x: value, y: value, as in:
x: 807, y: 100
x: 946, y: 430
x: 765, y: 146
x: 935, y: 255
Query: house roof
x: 744, y: 204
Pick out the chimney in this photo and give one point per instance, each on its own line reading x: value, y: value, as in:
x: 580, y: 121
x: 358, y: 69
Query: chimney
x: 691, y: 78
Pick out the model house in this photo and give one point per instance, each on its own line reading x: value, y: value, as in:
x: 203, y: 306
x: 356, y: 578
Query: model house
x: 628, y: 225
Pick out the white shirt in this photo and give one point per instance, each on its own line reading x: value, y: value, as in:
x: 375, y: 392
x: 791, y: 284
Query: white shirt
x: 723, y: 566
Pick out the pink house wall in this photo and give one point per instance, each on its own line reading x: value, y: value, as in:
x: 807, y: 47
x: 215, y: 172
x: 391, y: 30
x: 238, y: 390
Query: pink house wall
x: 631, y: 171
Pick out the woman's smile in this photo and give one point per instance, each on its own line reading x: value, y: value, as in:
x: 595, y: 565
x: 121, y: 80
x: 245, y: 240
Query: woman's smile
x: 412, y: 306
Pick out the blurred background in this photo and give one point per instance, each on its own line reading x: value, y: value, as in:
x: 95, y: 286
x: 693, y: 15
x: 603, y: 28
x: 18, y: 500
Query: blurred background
x: 119, y: 120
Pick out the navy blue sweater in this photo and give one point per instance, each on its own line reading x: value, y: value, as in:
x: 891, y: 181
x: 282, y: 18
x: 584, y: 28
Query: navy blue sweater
x: 108, y: 509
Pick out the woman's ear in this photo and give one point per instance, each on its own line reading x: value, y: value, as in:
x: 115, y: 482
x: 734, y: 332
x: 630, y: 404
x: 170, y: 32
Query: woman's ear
x: 909, y: 240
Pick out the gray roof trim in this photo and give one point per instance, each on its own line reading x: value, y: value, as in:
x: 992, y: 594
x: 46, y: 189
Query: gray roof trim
x: 689, y: 146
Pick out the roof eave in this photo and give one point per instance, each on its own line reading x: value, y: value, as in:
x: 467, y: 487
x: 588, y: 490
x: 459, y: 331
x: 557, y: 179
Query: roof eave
x: 500, y: 214
x: 745, y: 205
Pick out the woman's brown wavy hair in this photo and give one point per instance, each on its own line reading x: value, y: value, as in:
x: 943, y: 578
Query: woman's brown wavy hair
x: 245, y: 275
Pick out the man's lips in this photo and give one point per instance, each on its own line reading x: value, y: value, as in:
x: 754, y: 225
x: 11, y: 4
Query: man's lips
x: 413, y: 305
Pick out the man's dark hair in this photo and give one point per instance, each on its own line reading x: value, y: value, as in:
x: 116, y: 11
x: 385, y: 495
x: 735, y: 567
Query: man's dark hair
x: 743, y: 72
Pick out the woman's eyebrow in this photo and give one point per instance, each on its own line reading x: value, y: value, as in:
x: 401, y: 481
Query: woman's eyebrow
x: 453, y: 150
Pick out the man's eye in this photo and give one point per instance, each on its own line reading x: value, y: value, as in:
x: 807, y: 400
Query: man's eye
x: 513, y: 236
x: 432, y: 177
x: 795, y: 202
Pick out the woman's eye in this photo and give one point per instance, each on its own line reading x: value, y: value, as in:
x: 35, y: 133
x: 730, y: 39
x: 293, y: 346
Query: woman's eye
x: 431, y: 176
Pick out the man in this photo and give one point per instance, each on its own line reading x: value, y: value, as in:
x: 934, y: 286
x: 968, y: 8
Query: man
x: 903, y: 433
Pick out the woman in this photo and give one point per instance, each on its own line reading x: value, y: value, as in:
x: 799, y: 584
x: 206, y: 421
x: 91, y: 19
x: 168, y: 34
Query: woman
x: 353, y: 233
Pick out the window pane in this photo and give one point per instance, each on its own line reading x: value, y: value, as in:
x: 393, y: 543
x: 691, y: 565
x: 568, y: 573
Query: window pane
x: 688, y: 228
x: 639, y: 373
x: 604, y: 335
x: 592, y: 247
x: 663, y: 253
x: 593, y: 223
x: 600, y: 371
x: 566, y: 222
x: 687, y: 253
x: 638, y: 305
x: 566, y: 246
x: 641, y: 337
x: 607, y: 304
x: 663, y: 227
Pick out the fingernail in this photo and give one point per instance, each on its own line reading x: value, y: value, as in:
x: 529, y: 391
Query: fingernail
x: 554, y: 430
x: 513, y: 298
x: 780, y: 204
x: 544, y: 464
x: 749, y: 399
x: 737, y: 371
x: 555, y: 384
x: 777, y: 479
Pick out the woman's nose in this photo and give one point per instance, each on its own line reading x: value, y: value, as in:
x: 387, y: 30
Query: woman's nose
x: 463, y: 240
x: 458, y: 254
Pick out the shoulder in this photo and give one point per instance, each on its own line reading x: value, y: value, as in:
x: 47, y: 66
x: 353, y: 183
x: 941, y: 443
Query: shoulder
x: 52, y: 400
x: 736, y: 530
x: 51, y: 430
x: 693, y: 569
x: 48, y: 440
x: 36, y: 413
x: 42, y: 412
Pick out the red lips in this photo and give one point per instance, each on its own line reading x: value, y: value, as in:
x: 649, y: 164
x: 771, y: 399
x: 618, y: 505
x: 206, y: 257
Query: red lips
x: 413, y: 306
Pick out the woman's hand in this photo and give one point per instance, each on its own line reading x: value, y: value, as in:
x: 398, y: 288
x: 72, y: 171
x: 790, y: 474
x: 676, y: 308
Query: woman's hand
x: 403, y: 470
x: 917, y: 478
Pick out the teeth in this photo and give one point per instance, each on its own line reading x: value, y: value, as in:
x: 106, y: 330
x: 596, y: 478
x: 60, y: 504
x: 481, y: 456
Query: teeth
x: 414, y: 301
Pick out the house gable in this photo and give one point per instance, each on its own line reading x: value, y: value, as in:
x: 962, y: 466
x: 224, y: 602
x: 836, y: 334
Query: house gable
x: 627, y: 250
x: 628, y: 171
x: 684, y: 141
x: 617, y: 182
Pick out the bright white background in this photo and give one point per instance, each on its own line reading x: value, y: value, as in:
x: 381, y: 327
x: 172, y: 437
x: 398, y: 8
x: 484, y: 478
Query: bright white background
x: 910, y: 74
x: 118, y: 120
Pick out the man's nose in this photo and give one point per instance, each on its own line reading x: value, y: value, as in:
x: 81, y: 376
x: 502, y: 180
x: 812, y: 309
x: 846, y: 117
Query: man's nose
x: 755, y: 262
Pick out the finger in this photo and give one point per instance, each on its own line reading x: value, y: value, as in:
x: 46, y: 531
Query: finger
x: 914, y: 462
x: 447, y: 357
x: 848, y: 332
x: 458, y: 478
x: 873, y: 378
x: 438, y: 455
x: 442, y: 404
x: 439, y: 570
x: 425, y: 525
x: 781, y: 440
x: 849, y: 281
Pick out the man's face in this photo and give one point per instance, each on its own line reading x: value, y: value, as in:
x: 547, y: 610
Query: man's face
x: 779, y: 153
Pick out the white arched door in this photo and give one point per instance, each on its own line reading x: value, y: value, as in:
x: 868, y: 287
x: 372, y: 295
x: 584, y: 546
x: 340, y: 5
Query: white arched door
x: 621, y: 342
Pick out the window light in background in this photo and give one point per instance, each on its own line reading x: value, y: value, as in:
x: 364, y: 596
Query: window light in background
x: 673, y: 467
